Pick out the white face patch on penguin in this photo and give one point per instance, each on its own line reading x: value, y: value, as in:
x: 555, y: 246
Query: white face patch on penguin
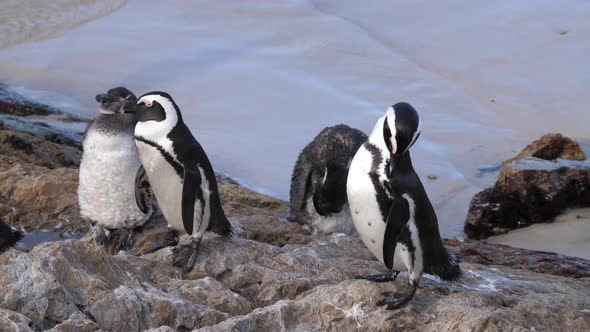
x: 105, y: 111
x: 416, y: 134
x: 155, y: 129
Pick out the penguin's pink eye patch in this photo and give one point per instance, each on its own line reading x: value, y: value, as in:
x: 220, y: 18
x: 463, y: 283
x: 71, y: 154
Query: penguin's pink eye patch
x: 147, y: 103
x: 393, y: 144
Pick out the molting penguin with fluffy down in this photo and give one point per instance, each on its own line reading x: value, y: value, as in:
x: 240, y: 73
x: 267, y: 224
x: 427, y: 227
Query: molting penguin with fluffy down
x: 391, y: 210
x: 109, y: 172
x: 318, y: 184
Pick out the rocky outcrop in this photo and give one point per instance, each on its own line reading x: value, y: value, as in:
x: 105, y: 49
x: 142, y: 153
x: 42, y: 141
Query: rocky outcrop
x: 37, y: 198
x: 532, y: 190
x: 38, y: 152
x: 273, y: 275
x: 551, y: 147
x: 481, y: 252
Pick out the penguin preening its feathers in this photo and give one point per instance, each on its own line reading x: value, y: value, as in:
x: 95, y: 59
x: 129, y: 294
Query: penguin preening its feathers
x: 318, y: 184
x: 390, y: 207
x: 179, y: 171
x: 9, y: 236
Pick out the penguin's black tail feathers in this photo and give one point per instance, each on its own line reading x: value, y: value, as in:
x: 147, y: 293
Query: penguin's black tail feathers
x: 8, y: 236
x: 447, y: 268
x: 221, y: 226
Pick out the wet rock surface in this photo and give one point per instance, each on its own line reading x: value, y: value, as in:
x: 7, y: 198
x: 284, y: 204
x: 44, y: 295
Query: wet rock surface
x: 12, y: 103
x: 532, y: 190
x: 273, y: 275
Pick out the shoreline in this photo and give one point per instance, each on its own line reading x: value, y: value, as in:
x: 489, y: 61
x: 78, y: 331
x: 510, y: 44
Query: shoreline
x: 566, y: 235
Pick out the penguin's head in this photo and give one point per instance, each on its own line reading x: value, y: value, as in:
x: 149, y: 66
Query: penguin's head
x: 329, y: 188
x: 114, y: 100
x: 401, y: 129
x: 156, y: 106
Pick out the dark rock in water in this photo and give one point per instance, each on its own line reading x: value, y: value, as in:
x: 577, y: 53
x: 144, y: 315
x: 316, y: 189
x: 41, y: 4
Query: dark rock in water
x: 12, y: 103
x: 530, y: 190
x: 41, y: 130
x: 551, y: 147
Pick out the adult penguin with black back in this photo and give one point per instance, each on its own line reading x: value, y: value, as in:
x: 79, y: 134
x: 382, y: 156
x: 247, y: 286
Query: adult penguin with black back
x: 318, y: 184
x: 180, y: 173
x: 391, y: 210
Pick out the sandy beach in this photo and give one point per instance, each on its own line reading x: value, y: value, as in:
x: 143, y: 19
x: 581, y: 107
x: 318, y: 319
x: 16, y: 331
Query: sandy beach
x: 257, y: 80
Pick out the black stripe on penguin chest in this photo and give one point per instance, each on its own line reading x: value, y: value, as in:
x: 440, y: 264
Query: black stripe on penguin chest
x: 167, y: 156
x: 381, y: 192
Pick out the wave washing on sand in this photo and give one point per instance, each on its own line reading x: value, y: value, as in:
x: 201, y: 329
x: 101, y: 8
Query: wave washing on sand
x: 26, y: 20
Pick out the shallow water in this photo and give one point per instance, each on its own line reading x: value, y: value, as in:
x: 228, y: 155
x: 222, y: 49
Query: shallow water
x: 256, y: 80
x: 35, y: 238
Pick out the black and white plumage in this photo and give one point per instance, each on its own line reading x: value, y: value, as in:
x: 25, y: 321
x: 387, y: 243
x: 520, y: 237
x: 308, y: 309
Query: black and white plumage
x: 8, y: 236
x: 109, y: 169
x: 390, y: 208
x: 318, y: 184
x: 179, y: 171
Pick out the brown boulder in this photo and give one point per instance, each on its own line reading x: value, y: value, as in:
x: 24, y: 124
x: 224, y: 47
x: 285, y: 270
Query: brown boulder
x: 529, y: 190
x: 551, y: 147
x: 40, y: 152
x: 36, y: 198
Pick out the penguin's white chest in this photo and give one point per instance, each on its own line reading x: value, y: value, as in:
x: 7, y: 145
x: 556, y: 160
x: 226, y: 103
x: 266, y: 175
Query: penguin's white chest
x: 364, y: 208
x: 365, y: 211
x: 106, y: 190
x: 340, y: 222
x: 167, y: 186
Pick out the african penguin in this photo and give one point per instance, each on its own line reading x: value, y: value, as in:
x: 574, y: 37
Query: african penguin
x: 109, y: 171
x: 9, y: 236
x: 318, y: 184
x: 180, y: 173
x: 391, y: 210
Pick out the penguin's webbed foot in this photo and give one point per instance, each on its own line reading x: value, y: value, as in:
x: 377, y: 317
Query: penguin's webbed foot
x: 100, y: 235
x: 397, y: 300
x: 185, y: 256
x: 380, y: 277
x: 122, y: 238
x: 170, y: 241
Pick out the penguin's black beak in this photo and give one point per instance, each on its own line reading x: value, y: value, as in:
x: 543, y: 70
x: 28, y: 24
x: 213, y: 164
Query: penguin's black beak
x: 104, y: 98
x: 132, y: 108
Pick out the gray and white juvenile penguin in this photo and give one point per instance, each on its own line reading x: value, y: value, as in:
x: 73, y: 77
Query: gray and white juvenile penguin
x: 391, y: 210
x: 9, y: 236
x: 109, y: 171
x: 180, y: 173
x: 318, y: 184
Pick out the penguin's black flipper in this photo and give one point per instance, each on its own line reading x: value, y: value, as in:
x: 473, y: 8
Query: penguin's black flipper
x: 300, y: 187
x: 143, y: 191
x: 8, y: 236
x: 191, y: 191
x: 397, y: 219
